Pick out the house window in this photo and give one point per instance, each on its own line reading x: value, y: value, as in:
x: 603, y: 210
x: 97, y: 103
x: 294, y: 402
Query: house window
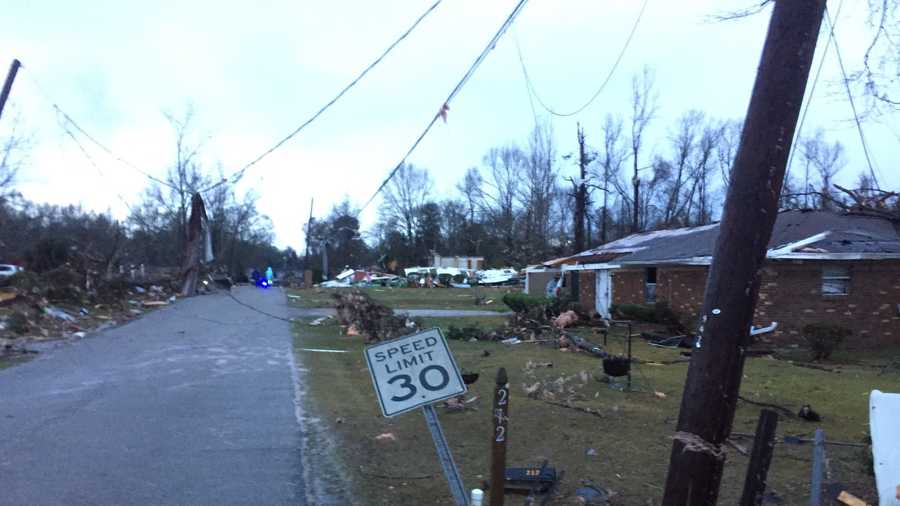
x: 650, y: 286
x: 835, y: 281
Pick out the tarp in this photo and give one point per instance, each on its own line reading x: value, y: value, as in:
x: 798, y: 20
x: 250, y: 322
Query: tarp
x: 884, y: 419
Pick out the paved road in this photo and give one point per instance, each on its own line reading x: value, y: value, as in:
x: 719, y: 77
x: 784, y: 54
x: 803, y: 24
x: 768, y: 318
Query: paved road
x: 192, y: 404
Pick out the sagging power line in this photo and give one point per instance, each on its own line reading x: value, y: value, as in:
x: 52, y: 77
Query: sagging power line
x: 445, y: 107
x: 846, y: 82
x: 533, y: 91
x: 238, y: 174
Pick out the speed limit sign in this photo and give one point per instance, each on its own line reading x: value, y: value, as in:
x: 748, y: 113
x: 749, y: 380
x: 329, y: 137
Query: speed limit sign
x: 413, y: 371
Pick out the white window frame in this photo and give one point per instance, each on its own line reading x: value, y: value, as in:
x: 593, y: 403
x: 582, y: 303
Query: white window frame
x: 843, y: 279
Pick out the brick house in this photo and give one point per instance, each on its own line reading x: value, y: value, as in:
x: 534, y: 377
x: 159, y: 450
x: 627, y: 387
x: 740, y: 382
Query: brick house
x: 821, y: 267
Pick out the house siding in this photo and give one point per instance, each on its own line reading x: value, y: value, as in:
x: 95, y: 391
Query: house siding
x: 537, y: 282
x: 790, y: 294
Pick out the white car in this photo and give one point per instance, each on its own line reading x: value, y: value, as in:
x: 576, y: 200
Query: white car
x: 7, y: 270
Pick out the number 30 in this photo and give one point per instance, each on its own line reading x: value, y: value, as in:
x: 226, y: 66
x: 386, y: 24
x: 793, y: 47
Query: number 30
x: 406, y: 382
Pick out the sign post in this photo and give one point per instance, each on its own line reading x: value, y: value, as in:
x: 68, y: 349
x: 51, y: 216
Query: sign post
x: 498, y: 445
x: 416, y: 371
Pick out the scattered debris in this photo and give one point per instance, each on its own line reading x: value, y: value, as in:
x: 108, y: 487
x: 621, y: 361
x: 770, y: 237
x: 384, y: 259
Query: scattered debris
x: 592, y: 494
x: 58, y: 314
x: 320, y: 321
x: 566, y: 319
x: 851, y: 500
x: 386, y: 437
x: 807, y: 413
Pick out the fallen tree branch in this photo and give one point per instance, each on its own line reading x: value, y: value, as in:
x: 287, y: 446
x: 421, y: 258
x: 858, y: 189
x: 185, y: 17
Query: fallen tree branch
x: 388, y: 477
x: 782, y: 409
x: 595, y: 412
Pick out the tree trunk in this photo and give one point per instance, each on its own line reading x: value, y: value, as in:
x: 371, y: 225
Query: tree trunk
x: 714, y: 377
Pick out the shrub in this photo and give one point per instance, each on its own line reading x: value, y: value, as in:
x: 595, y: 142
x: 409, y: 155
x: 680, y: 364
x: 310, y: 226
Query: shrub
x: 465, y: 333
x: 523, y: 303
x: 659, y: 312
x: 824, y: 338
x: 18, y: 323
x: 636, y: 312
x: 47, y: 254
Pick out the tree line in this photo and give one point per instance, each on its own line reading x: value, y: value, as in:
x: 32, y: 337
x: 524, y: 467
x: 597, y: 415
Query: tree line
x: 518, y: 208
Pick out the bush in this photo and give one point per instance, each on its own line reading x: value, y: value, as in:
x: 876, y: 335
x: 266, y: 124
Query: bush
x: 47, y: 254
x: 522, y: 303
x: 18, y: 323
x: 659, y: 312
x: 824, y: 338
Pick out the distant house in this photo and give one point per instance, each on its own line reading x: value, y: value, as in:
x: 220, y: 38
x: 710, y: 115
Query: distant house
x: 821, y: 267
x: 458, y: 262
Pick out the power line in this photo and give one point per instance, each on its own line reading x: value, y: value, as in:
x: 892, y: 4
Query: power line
x: 68, y: 119
x: 446, y: 104
x: 812, y: 91
x: 846, y: 81
x: 609, y: 75
x: 238, y: 174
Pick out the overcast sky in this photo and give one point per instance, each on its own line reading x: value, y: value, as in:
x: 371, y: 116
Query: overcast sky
x: 254, y: 73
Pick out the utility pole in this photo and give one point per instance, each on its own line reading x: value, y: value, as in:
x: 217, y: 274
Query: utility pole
x: 7, y: 86
x: 714, y: 376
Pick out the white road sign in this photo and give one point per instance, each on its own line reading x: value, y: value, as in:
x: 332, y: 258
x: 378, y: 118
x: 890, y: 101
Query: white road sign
x: 413, y: 371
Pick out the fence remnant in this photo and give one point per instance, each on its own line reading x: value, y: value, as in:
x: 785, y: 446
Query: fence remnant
x: 760, y: 458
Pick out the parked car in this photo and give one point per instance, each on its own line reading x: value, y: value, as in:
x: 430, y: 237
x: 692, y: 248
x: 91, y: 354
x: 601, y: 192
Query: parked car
x: 7, y: 270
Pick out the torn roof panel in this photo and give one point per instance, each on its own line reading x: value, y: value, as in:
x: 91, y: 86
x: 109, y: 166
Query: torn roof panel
x: 842, y: 233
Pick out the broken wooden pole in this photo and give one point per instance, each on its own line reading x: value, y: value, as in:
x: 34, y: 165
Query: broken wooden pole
x: 7, y: 85
x: 498, y: 443
x: 190, y: 271
x: 716, y: 368
x: 760, y: 458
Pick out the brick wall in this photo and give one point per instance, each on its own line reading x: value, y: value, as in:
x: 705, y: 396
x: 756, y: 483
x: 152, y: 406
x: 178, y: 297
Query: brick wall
x: 587, y: 291
x: 628, y: 286
x: 683, y: 288
x: 791, y: 294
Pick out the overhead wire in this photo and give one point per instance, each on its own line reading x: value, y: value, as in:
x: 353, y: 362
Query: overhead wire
x: 69, y: 120
x: 533, y: 91
x: 846, y: 82
x: 812, y: 91
x: 238, y: 174
x: 445, y: 106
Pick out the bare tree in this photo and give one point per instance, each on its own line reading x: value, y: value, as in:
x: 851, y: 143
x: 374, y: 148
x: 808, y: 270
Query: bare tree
x: 404, y: 195
x: 643, y: 108
x: 684, y: 141
x: 539, y: 185
x: 827, y: 160
x: 611, y: 158
x: 13, y: 149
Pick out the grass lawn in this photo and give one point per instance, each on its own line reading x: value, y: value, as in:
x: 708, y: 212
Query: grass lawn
x: 412, y: 298
x: 629, y: 432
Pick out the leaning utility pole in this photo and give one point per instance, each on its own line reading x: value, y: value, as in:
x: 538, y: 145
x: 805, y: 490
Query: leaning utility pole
x: 714, y: 377
x: 7, y: 86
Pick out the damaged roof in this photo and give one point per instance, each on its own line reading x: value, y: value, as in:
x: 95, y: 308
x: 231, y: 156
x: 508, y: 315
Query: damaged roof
x: 797, y: 234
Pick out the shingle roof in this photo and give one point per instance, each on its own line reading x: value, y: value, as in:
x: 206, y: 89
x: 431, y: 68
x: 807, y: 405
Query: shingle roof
x: 844, y: 233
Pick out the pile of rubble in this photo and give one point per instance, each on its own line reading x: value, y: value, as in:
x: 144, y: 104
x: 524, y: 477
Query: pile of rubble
x: 360, y: 314
x: 62, y: 303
